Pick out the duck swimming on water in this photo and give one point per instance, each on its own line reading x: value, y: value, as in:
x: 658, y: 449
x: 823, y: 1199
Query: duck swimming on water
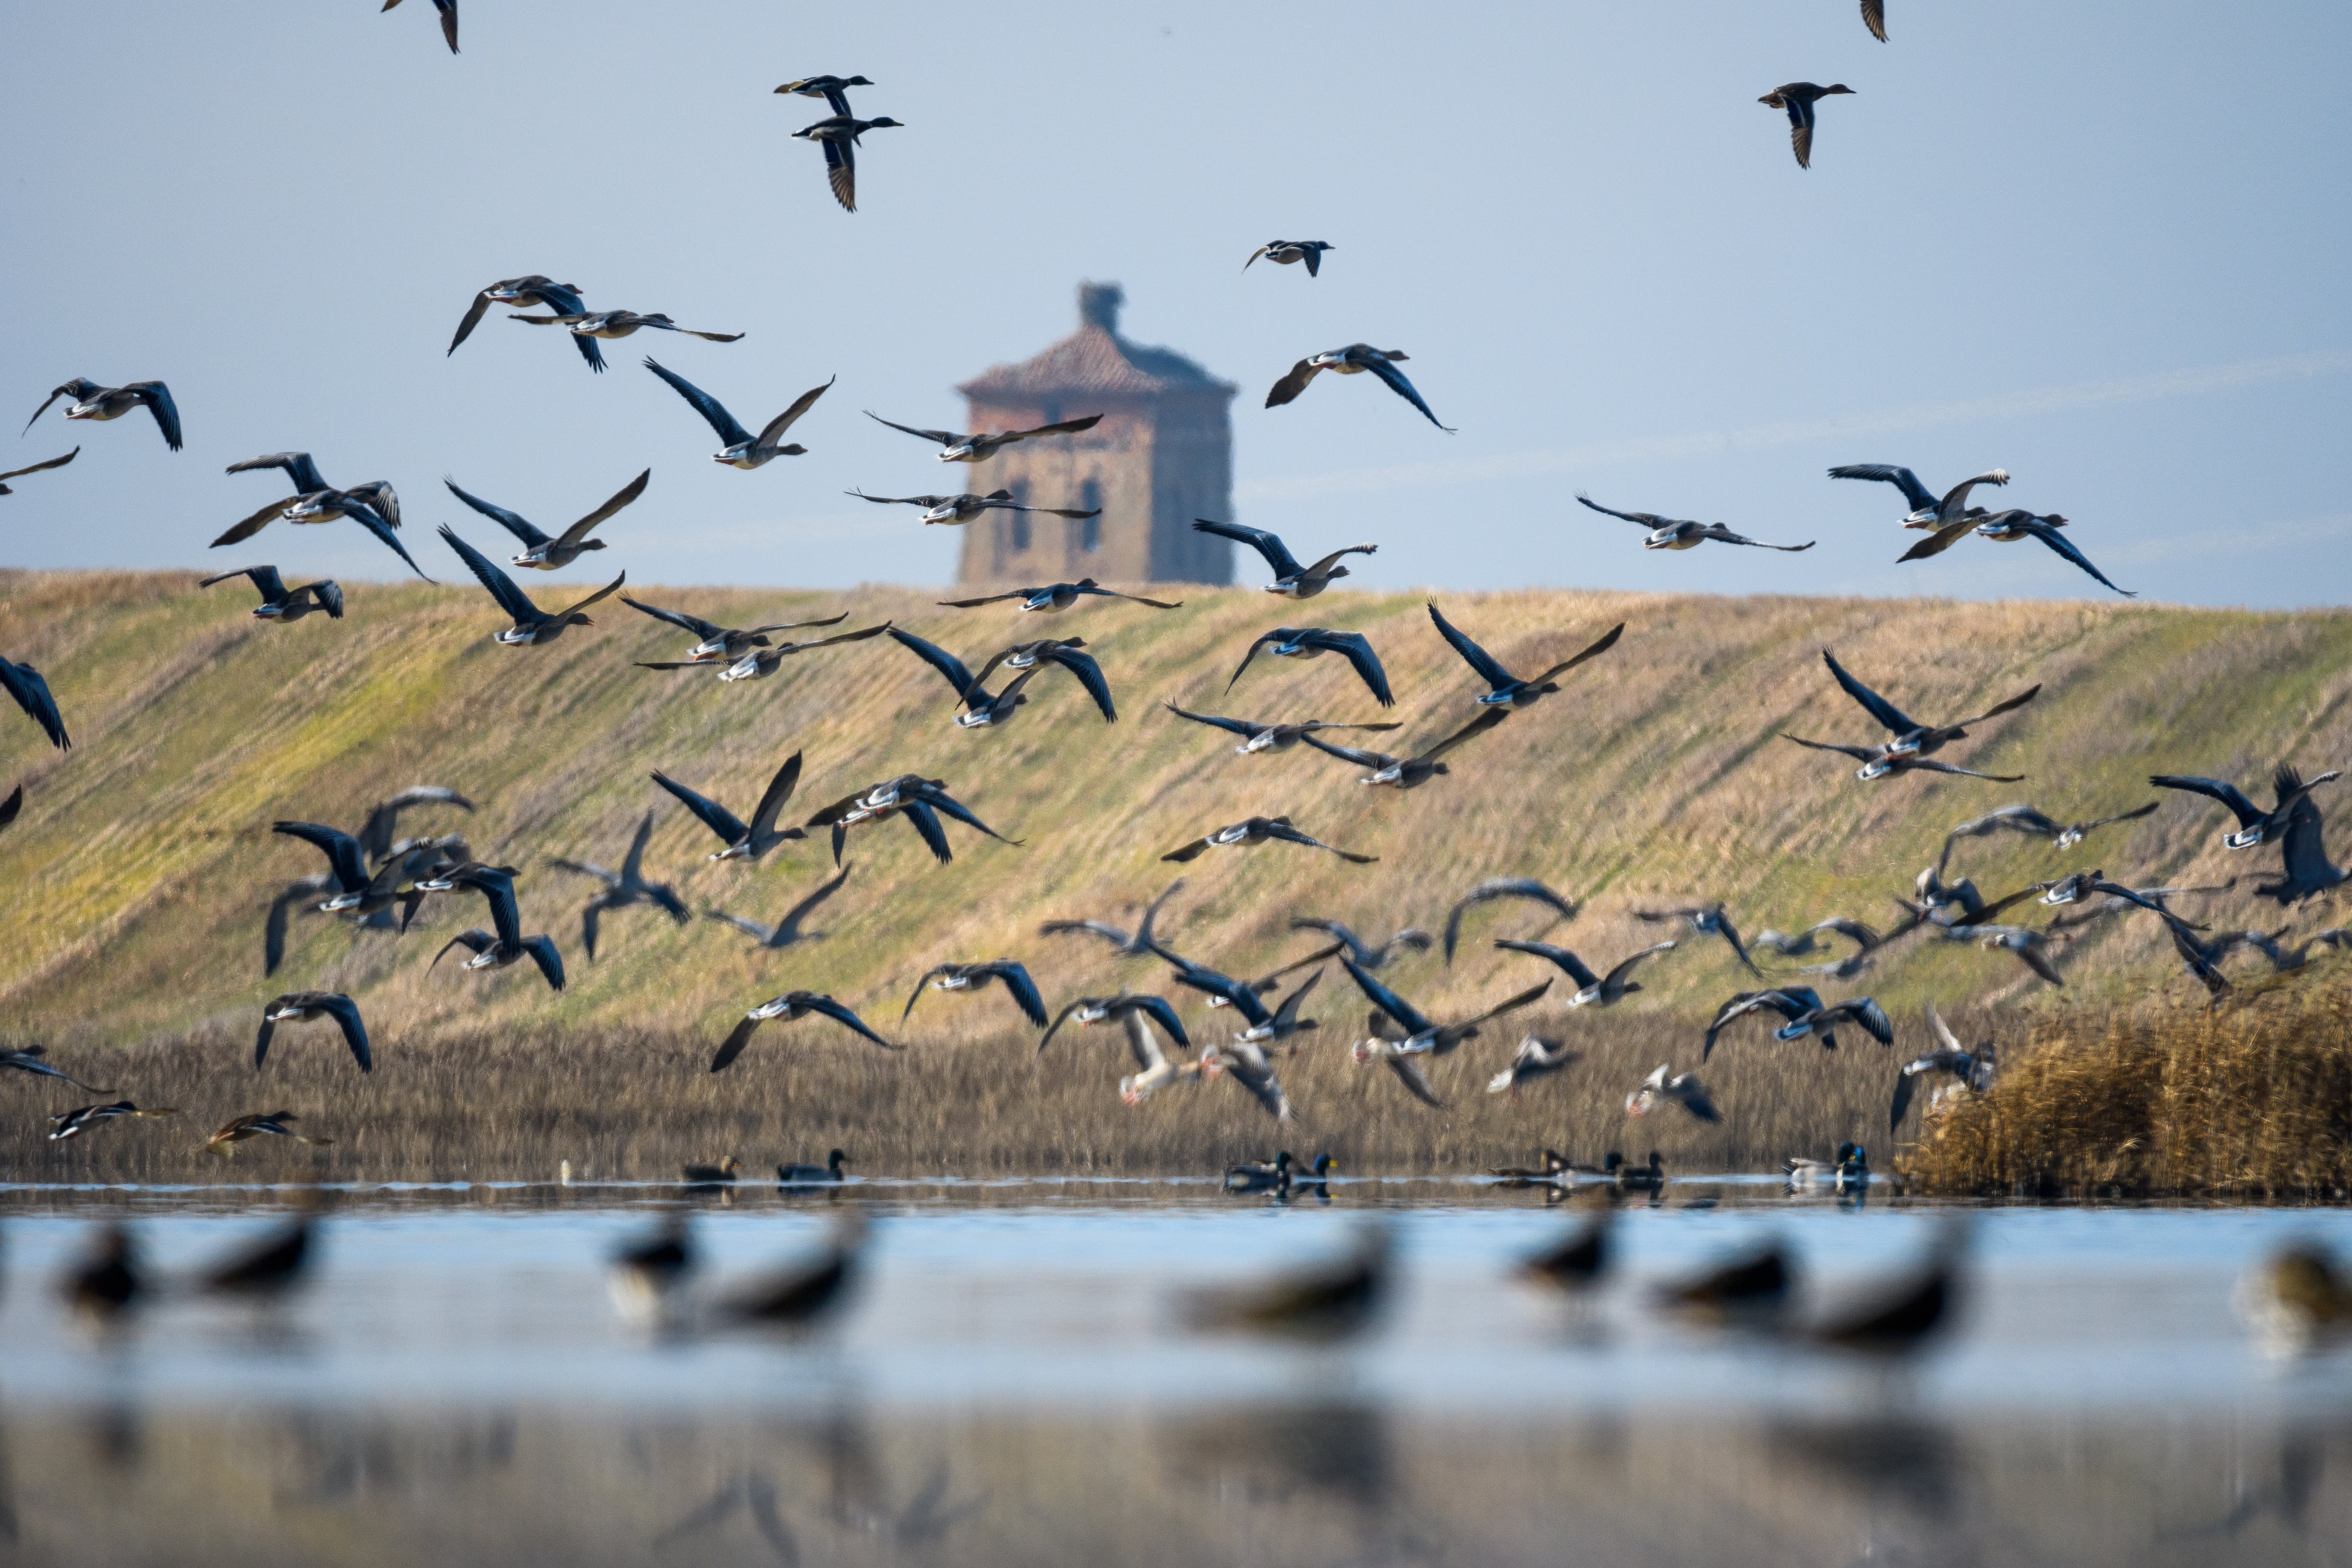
x: 2008, y: 528
x: 448, y: 9
x: 36, y: 468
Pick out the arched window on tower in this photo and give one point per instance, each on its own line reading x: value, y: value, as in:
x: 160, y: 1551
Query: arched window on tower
x: 1091, y: 529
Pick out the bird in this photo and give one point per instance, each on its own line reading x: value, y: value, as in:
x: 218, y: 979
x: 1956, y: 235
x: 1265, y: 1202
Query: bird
x: 1927, y: 510
x: 740, y: 841
x: 1246, y: 1059
x: 71, y: 1124
x: 2027, y: 820
x: 1283, y: 1022
x: 1799, y: 98
x: 838, y: 135
x: 1806, y: 940
x: 1581, y: 1259
x: 532, y: 626
x: 1705, y: 920
x: 1848, y: 1168
x: 806, y: 1175
x: 1592, y: 989
x: 1535, y: 1058
x: 1242, y: 996
x: 1904, y: 1314
x: 1259, y: 738
x: 30, y: 1059
x: 279, y: 603
x: 31, y: 692
x: 272, y: 1123
x: 622, y: 889
x: 1410, y: 773
x: 2255, y: 825
x: 2297, y: 1300
x: 1371, y: 955
x: 1496, y: 888
x: 347, y: 860
x: 1878, y: 764
x: 496, y: 884
x: 448, y: 9
x: 1909, y: 737
x: 978, y: 446
x: 1751, y: 1291
x: 272, y: 1266
x: 1873, y: 16
x: 535, y: 289
x: 1421, y: 1036
x: 2028, y: 947
x: 2008, y: 528
x: 962, y: 509
x: 1973, y: 1070
x: 790, y: 1005
x: 723, y: 644
x: 1555, y: 1165
x: 615, y: 325
x: 374, y: 506
x: 541, y: 553
x: 302, y: 1006
x: 1283, y: 252
x: 742, y: 449
x: 108, y: 1280
x: 1665, y: 1086
x: 10, y: 807
x: 1312, y: 642
x: 1802, y: 1008
x: 977, y: 976
x: 1353, y: 360
x: 710, y: 1178
x: 1332, y: 1302
x: 92, y: 401
x: 1154, y: 1070
x: 1136, y: 943
x: 1682, y: 533
x: 2203, y: 959
x: 799, y: 1296
x: 36, y: 468
x: 1258, y: 830
x: 1259, y: 1176
x: 1058, y: 596
x: 1291, y: 580
x: 786, y: 932
x: 982, y: 710
x: 920, y: 800
x: 1506, y: 689
x: 2305, y: 868
x: 759, y: 663
x: 1067, y: 652
x: 647, y: 1272
x: 834, y: 90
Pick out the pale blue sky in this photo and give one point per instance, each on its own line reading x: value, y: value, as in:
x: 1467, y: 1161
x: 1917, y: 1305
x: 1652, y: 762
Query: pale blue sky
x: 2102, y: 245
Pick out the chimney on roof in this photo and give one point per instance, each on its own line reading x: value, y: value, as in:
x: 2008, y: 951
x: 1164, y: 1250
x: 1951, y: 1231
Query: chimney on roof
x: 1099, y: 306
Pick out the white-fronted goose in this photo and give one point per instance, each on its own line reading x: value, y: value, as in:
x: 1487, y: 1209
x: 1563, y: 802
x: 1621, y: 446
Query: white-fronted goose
x: 1878, y: 764
x: 1927, y: 510
x: 374, y: 506
x: 1536, y: 1058
x: 92, y: 401
x: 613, y: 325
x: 722, y: 645
x: 2027, y: 820
x: 1506, y: 689
x: 1971, y: 1069
x: 1398, y: 1032
x: 2008, y: 528
x: 496, y: 884
x: 920, y: 800
x: 1410, y: 773
x: 1123, y: 944
x: 743, y: 450
x: 1256, y: 737
x: 981, y: 446
x: 1064, y: 651
x: 742, y: 840
x: 1801, y: 1006
x: 1666, y: 1087
x: 1291, y: 580
x: 977, y: 977
x: 1353, y: 360
x: 790, y: 1005
x: 1370, y: 955
x: 2256, y: 826
x: 279, y: 603
x: 304, y: 1006
x: 1906, y: 735
x: 542, y: 553
x: 1683, y: 534
x: 1311, y: 642
x: 622, y: 889
x: 1259, y: 831
x: 1498, y: 888
x: 1705, y: 920
x: 535, y: 289
x: 1592, y: 989
x: 1058, y: 596
x: 787, y: 932
x: 532, y: 626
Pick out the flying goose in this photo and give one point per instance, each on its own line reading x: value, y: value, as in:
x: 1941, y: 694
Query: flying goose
x: 496, y: 884
x: 1064, y: 651
x: 1496, y: 888
x: 964, y: 508
x: 624, y: 888
x: 1805, y: 941
x: 724, y: 645
x: 2255, y: 825
x: 1421, y: 1036
x: 1371, y: 955
x: 304, y: 1006
x: 838, y: 135
x: 1087, y: 1011
x: 2026, y: 819
x: 1282, y: 1023
x: 1801, y: 1006
x: 1353, y: 360
x: 743, y: 841
x: 1291, y: 580
x: 1330, y: 1301
x: 536, y: 289
x: 2283, y: 958
x: 976, y: 977
x: 920, y: 800
x: 92, y: 401
x: 31, y: 692
x: 759, y: 663
x: 790, y: 1005
x: 980, y: 447
x: 798, y: 1175
x: 448, y: 9
x: 1410, y: 773
x: 1312, y: 642
x: 259, y: 1123
x: 1283, y: 252
x: 1879, y: 763
x: 2076, y: 885
x: 542, y: 553
x: 347, y: 861
x: 532, y: 624
x: 743, y: 450
x: 1799, y: 98
x: 1241, y: 995
x: 1682, y: 533
x: 981, y: 710
x: 834, y: 90
x: 71, y: 1124
x: 1679, y: 1089
x: 1973, y: 1070
x: 617, y: 324
x: 1058, y: 596
x: 1123, y: 944
x: 1245, y: 1060
x: 30, y: 1059
x: 36, y: 468
x: 1259, y: 737
x: 374, y: 506
x: 2008, y: 528
x: 2305, y: 867
x: 1258, y: 830
x: 1536, y: 1058
x: 787, y: 932
x: 1911, y: 738
x: 1592, y: 989
x: 1705, y: 920
x: 279, y: 603
x: 1506, y: 689
x: 1927, y: 510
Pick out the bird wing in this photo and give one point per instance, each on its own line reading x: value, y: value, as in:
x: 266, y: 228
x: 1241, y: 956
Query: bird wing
x: 957, y: 809
x: 1241, y: 727
x: 1873, y: 16
x: 2039, y: 961
x: 272, y: 587
x: 1741, y: 1003
x: 1141, y: 1043
x: 1361, y: 758
x: 800, y: 404
x: 2247, y: 812
x: 37, y: 468
x: 1572, y: 966
x: 923, y: 984
x: 1625, y: 967
x: 1956, y: 499
x: 1718, y: 531
x: 1278, y: 558
x: 927, y: 825
x: 841, y: 172
x: 2020, y: 700
x: 2303, y: 849
x: 937, y: 437
x: 474, y: 314
x: 1192, y: 851
x: 1516, y: 1003
x: 1890, y: 717
x: 729, y: 827
x: 158, y: 399
x: 1279, y: 633
x: 238, y: 532
x: 471, y: 941
x: 1380, y: 366
x: 1929, y: 764
x: 589, y: 915
x: 1416, y: 1082
x: 512, y: 599
x: 1860, y: 754
x: 67, y: 390
x: 749, y: 928
x: 799, y: 911
x: 1801, y: 129
x: 1024, y: 989
x: 1867, y: 1012
x: 780, y: 790
x: 1063, y: 1017
x: 1478, y: 659
x: 1600, y: 645
x: 1279, y: 828
x: 1358, y: 651
x: 346, y: 1013
x: 621, y: 497
x: 1089, y: 674
x: 679, y: 618
x: 299, y: 469
x: 512, y: 522
x: 1478, y: 726
x: 2051, y: 537
x: 736, y: 1039
x: 1282, y: 392
x: 366, y: 518
x: 12, y: 806
x: 1645, y: 518
x: 710, y: 408
x: 498, y: 887
x: 844, y: 1016
x: 345, y: 856
x: 1943, y: 1031
x: 1887, y: 473
x: 1941, y: 539
x: 1386, y: 1000
x: 938, y: 658
x: 990, y: 599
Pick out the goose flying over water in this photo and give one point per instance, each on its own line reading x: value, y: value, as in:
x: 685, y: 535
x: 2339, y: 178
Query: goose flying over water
x: 448, y: 9
x: 532, y: 626
x: 374, y: 506
x: 30, y: 690
x: 962, y: 509
x: 92, y: 401
x: 303, y: 1006
x: 1802, y: 1007
x: 1536, y: 1058
x: 2008, y: 528
x: 1058, y: 596
x: 536, y: 289
x: 920, y: 800
x: 1876, y: 764
x: 2256, y: 826
x: 279, y: 603
x: 496, y: 884
x: 1241, y: 995
x: 1312, y: 642
x: 36, y: 468
x: 1291, y: 580
x: 1908, y: 736
x: 1927, y: 510
x: 1258, y: 830
x: 1506, y: 689
x: 724, y: 645
x: 838, y: 135
x: 1410, y: 773
x: 1257, y: 738
x: 786, y: 932
x: 1666, y: 1087
x: 1087, y: 1011
x: 623, y: 889
x: 1799, y: 98
x: 1369, y: 955
x: 1353, y: 360
x: 1419, y: 1036
x: 834, y: 90
x: 742, y: 840
x: 1971, y: 1069
x: 1496, y: 888
x: 614, y: 325
x: 1592, y: 989
x: 1123, y: 943
x: 1284, y: 252
x: 790, y: 1005
x: 1673, y: 533
x: 977, y: 977
x: 980, y: 447
x: 542, y: 553
x: 1706, y: 920
x: 1135, y: 1015
x: 743, y: 450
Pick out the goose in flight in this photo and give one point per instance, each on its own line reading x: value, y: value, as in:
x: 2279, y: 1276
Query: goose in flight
x: 1312, y: 642
x: 92, y: 401
x: 1971, y: 1069
x: 1536, y: 1058
x: 2027, y: 820
x: 12, y: 806
x: 305, y: 1006
x: 36, y: 468
x: 1398, y: 1032
x: 1506, y: 689
x: 1798, y: 98
x: 980, y: 447
x: 977, y: 977
x: 541, y: 553
x: 2305, y: 868
x: 1241, y: 995
x: 1058, y: 596
x: 347, y: 861
x: 1291, y: 580
x: 1258, y: 830
x: 790, y: 1005
x: 982, y: 708
x: 1927, y: 510
x: 962, y: 509
x: 614, y: 325
x: 2008, y: 528
x: 834, y: 90
x: 532, y: 624
x: 920, y: 800
x: 1353, y: 360
x: 30, y: 690
x: 1679, y: 1089
x: 2255, y: 825
x: 838, y: 135
x: 1410, y: 773
x: 448, y: 9
x: 1369, y: 955
x: 743, y: 450
x: 622, y: 889
x: 1123, y: 944
x: 374, y: 506
x: 30, y: 1059
x: 1284, y: 252
x: 1800, y: 1007
x: 1909, y: 737
x: 786, y: 932
x: 1682, y: 533
x: 1810, y: 939
x: 272, y: 1123
x: 1592, y: 989
x: 279, y: 603
x: 1257, y: 738
x: 536, y: 289
x: 1495, y: 887
x: 496, y: 884
x: 1087, y: 1011
x: 1064, y: 651
x: 723, y: 644
x: 759, y: 663
x: 67, y: 1125
x: 1877, y: 764
x: 1278, y: 1025
x: 743, y: 841
x: 1705, y: 920
x: 1245, y: 1060
x: 2029, y: 947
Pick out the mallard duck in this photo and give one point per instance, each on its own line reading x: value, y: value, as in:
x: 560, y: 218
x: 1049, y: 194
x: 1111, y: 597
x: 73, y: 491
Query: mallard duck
x: 1554, y: 1166
x: 1683, y: 534
x: 806, y: 1175
x: 976, y: 977
x: 623, y: 889
x: 303, y: 1006
x: 1798, y: 98
x: 981, y: 446
x: 1905, y: 1315
x: 71, y: 1124
x: 1664, y: 1086
x: 1259, y: 1176
x: 535, y: 289
x: 1498, y: 888
x: 1259, y: 831
x: 1506, y: 689
x: 1581, y: 1259
x: 532, y: 626
x: 645, y: 1272
x: 545, y: 554
x: 1283, y: 252
x: 1848, y: 1168
x: 268, y: 1123
x: 742, y: 840
x: 279, y: 603
x: 92, y: 401
x: 743, y: 450
x: 1353, y: 360
x: 838, y: 136
x: 790, y: 1005
x: 1291, y: 580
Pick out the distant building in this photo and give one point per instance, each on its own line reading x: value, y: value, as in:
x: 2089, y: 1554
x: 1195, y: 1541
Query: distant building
x: 1163, y: 455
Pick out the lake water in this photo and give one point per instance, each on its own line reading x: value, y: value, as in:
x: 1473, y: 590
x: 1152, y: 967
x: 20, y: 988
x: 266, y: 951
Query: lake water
x: 1013, y: 1381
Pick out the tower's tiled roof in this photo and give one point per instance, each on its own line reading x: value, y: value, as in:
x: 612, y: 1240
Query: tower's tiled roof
x: 1096, y: 359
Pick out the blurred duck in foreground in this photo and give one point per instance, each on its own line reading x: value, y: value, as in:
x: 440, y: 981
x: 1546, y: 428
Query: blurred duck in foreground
x: 1750, y: 1291
x: 801, y: 1294
x: 267, y: 1269
x: 1902, y: 1317
x: 1331, y: 1301
x: 2297, y: 1302
x: 646, y: 1272
x: 107, y: 1282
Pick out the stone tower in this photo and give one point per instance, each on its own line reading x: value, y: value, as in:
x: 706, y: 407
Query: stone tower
x: 1163, y: 455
